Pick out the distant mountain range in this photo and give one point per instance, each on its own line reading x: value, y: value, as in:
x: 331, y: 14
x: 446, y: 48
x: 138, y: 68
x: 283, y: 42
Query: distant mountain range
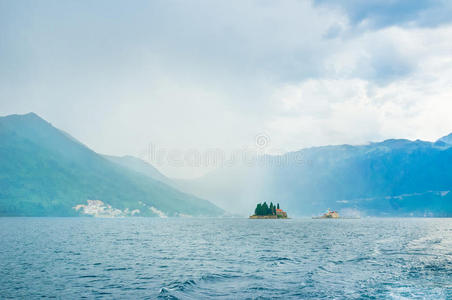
x: 392, y: 178
x: 46, y: 172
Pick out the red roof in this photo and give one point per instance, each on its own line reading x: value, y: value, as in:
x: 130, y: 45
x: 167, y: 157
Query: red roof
x: 279, y: 210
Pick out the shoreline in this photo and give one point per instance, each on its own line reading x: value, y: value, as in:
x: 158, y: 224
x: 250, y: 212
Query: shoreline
x: 266, y: 217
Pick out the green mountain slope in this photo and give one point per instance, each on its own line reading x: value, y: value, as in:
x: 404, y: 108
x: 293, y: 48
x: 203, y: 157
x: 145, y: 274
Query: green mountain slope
x: 46, y: 172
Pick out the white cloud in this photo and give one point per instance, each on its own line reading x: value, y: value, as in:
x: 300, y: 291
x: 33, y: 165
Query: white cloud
x: 356, y: 109
x: 213, y: 75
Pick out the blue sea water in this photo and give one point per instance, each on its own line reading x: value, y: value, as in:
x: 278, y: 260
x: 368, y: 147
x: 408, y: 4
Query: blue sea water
x: 151, y: 258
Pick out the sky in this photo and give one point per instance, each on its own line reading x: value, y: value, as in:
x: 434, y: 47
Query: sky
x: 124, y: 77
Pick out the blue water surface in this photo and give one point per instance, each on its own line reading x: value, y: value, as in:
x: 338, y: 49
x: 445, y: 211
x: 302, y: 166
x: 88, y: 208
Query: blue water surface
x: 179, y: 258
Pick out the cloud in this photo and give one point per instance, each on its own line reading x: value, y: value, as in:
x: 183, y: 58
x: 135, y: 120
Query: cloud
x: 384, y: 13
x: 352, y: 107
x: 213, y: 75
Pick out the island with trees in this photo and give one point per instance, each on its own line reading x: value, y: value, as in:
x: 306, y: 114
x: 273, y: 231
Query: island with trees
x: 265, y: 211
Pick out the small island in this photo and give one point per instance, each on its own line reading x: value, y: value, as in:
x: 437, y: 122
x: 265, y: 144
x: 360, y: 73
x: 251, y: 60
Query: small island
x: 330, y: 214
x: 265, y: 211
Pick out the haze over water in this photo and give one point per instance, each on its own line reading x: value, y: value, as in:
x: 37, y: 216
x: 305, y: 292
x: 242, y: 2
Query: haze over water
x: 225, y: 258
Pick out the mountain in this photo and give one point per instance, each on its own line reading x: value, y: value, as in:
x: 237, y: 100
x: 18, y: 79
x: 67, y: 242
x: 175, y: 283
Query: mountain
x: 446, y: 139
x: 140, y: 166
x: 46, y: 172
x: 395, y: 177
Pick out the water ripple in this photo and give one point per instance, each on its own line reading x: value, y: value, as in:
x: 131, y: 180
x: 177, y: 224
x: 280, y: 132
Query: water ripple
x: 225, y: 258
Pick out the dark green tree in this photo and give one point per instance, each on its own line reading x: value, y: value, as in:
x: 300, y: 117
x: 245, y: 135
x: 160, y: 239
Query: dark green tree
x: 263, y: 209
x: 259, y: 210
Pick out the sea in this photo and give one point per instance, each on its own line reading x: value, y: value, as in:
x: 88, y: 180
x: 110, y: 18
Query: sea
x: 191, y: 258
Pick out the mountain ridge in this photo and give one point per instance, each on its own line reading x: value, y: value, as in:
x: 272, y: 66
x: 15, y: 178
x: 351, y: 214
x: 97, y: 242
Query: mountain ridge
x: 395, y: 177
x: 446, y: 139
x: 46, y: 172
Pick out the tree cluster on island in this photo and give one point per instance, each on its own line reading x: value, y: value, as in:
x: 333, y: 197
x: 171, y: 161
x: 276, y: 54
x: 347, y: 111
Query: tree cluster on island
x: 266, y: 210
